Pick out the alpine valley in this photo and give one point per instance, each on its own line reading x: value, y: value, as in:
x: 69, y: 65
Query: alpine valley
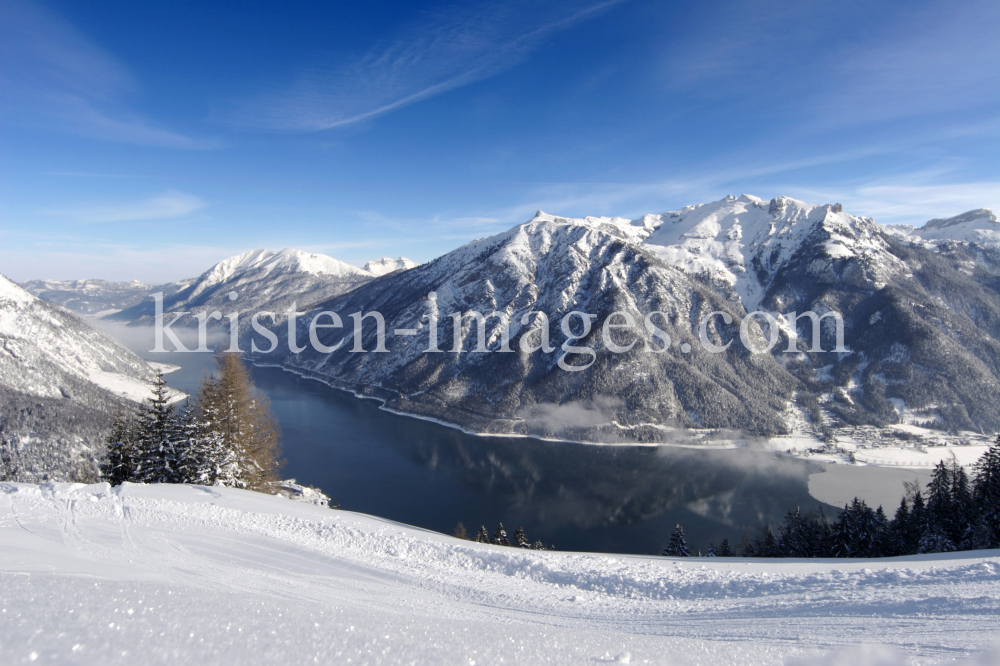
x: 920, y: 308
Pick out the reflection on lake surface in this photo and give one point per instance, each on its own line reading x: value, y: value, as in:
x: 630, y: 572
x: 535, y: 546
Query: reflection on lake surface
x: 576, y: 497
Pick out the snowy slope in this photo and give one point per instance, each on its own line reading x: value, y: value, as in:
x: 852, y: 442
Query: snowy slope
x: 174, y: 574
x: 61, y: 381
x: 386, y: 265
x: 42, y: 346
x: 262, y: 280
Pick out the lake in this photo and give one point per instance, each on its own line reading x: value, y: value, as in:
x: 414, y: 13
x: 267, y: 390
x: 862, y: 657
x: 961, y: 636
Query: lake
x: 575, y: 497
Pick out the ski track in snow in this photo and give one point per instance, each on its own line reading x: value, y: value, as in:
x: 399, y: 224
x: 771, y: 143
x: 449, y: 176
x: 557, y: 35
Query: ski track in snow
x: 166, y: 574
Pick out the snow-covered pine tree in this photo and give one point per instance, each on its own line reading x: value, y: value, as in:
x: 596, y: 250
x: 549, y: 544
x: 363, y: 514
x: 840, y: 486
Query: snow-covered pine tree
x: 119, y: 466
x: 711, y: 551
x: 500, y: 537
x: 724, y: 549
x: 482, y: 536
x: 986, y: 491
x: 156, y: 432
x: 678, y: 546
x: 520, y: 540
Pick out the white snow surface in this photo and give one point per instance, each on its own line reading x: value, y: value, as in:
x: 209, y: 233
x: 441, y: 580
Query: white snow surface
x: 188, y: 574
x: 386, y: 265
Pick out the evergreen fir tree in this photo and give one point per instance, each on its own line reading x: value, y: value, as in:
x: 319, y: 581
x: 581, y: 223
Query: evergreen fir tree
x: 986, y: 491
x: 724, y: 549
x: 746, y: 546
x: 678, y: 546
x: 711, y: 551
x: 766, y: 545
x: 119, y: 466
x: 939, y: 508
x: 500, y: 537
x: 896, y: 542
x: 520, y: 540
x: 918, y: 523
x: 482, y: 536
x: 156, y: 432
x: 963, y: 511
x: 797, y: 536
x: 538, y: 545
x: 844, y: 534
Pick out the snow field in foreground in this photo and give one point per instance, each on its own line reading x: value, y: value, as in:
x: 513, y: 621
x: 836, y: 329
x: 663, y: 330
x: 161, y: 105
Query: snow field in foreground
x: 164, y: 574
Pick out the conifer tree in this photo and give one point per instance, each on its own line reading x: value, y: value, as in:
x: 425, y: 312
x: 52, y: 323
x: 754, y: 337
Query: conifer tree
x: 963, y: 511
x: 678, y: 546
x: 724, y: 549
x: 711, y: 551
x: 500, y: 536
x: 986, y: 491
x: 520, y: 540
x: 236, y: 412
x: 482, y: 536
x: 939, y: 509
x: 844, y: 533
x: 156, y: 458
x: 119, y: 466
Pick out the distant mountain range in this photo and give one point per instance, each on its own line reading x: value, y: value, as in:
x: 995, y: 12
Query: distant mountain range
x: 262, y: 280
x: 921, y: 311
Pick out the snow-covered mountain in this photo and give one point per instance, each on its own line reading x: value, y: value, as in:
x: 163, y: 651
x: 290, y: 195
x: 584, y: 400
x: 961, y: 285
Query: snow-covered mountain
x: 171, y: 573
x: 262, y: 280
x: 60, y: 380
x: 977, y: 227
x: 385, y: 265
x: 97, y: 297
x: 921, y: 323
x: 743, y: 242
x: 556, y: 266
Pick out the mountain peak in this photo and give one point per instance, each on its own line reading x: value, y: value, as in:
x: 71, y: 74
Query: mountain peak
x: 980, y: 214
x: 386, y: 265
x: 11, y: 291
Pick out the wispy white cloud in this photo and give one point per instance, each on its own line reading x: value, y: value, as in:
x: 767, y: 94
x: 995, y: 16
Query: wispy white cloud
x: 169, y: 204
x: 56, y: 78
x: 441, y: 53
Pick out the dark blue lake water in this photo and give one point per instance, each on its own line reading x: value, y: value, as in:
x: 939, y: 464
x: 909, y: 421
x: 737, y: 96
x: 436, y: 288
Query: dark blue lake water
x: 575, y: 497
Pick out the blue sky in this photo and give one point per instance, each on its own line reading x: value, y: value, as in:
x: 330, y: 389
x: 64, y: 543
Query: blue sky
x: 144, y: 140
